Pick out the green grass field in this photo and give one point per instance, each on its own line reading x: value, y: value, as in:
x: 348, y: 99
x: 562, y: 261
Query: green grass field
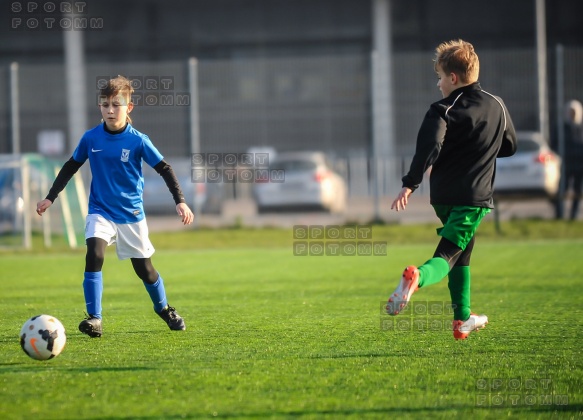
x: 272, y: 335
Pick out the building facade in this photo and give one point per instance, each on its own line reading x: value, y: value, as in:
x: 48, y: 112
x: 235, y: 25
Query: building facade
x: 285, y: 74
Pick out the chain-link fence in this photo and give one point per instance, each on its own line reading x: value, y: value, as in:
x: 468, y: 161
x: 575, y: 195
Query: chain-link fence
x: 286, y: 103
x: 301, y: 103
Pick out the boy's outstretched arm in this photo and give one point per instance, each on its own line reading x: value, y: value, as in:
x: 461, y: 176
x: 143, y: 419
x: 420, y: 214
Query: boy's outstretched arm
x: 402, y: 199
x: 429, y: 141
x: 42, y: 206
x: 69, y: 169
x: 185, y: 213
x: 508, y: 147
x: 167, y: 173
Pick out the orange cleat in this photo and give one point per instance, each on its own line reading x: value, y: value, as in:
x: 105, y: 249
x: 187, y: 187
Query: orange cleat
x: 402, y: 294
x: 462, y: 329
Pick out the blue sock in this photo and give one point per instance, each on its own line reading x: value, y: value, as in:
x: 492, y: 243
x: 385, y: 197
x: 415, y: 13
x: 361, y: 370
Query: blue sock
x: 157, y: 294
x: 93, y: 290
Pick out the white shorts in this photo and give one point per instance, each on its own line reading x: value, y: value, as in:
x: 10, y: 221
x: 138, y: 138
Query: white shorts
x: 131, y: 239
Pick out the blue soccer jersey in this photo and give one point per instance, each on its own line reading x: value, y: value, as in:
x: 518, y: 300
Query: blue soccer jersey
x: 116, y: 166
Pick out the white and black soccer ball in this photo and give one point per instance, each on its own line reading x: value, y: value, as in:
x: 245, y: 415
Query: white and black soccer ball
x: 43, y: 337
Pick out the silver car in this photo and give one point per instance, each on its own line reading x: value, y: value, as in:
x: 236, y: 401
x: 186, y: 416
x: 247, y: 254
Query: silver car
x: 534, y: 170
x: 308, y: 182
x: 157, y: 198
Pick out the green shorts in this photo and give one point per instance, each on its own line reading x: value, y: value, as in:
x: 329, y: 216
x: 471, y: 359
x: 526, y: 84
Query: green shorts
x: 459, y: 222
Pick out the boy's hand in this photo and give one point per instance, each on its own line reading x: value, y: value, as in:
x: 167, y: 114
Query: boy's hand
x: 42, y: 206
x: 184, y: 211
x: 401, y: 201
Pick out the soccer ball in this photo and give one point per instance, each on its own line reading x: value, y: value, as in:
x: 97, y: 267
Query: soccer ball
x: 42, y: 337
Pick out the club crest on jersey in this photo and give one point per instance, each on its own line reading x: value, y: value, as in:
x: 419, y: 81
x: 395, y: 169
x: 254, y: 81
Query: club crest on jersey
x: 125, y: 155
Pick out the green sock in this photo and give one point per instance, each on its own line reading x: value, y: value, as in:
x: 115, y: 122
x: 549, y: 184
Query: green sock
x: 433, y: 271
x: 459, y: 290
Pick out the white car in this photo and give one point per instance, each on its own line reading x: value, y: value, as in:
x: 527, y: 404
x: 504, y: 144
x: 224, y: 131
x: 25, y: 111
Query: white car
x: 533, y: 171
x: 308, y: 181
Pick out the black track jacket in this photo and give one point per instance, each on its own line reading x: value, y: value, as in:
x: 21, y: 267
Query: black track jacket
x: 461, y: 136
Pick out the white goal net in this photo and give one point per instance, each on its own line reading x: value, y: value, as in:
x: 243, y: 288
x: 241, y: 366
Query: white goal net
x: 25, y: 180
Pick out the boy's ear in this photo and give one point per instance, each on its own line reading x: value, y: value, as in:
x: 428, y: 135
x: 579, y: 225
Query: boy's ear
x: 130, y: 107
x: 454, y: 78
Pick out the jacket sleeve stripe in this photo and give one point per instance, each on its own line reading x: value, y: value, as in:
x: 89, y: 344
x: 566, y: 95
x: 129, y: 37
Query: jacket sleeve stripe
x: 451, y: 106
x: 503, y: 109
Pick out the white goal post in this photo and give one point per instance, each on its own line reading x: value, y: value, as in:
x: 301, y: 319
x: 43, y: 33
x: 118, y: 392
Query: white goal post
x: 25, y: 180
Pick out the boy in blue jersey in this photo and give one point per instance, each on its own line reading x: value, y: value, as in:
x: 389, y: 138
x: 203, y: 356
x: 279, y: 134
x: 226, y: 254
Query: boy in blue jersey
x: 116, y: 213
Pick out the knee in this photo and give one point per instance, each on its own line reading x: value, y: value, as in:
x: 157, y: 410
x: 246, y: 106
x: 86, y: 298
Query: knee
x: 145, y: 270
x: 463, y: 260
x: 94, y: 258
x: 449, y: 251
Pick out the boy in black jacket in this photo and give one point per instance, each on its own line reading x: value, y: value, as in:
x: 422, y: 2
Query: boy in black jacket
x: 461, y: 136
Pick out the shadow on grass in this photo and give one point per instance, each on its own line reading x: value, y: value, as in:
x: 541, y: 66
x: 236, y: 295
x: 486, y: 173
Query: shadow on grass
x: 356, y: 355
x: 422, y: 412
x: 20, y: 367
x: 566, y: 408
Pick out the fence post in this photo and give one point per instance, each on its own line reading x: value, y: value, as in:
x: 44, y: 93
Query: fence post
x: 497, y: 217
x: 75, y: 86
x: 560, y: 69
x: 541, y: 67
x: 194, y: 126
x: 26, y: 217
x: 14, y: 109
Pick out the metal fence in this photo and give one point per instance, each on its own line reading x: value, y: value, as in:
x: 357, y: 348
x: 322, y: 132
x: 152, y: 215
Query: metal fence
x: 316, y: 103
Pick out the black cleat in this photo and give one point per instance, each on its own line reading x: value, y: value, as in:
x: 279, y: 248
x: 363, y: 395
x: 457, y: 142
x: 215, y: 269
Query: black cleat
x: 171, y: 317
x: 91, y: 326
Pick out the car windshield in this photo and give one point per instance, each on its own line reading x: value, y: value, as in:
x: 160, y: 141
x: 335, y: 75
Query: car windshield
x: 294, y: 165
x: 527, y: 145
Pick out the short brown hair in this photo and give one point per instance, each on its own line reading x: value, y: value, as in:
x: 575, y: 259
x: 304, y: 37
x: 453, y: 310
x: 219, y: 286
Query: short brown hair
x: 119, y: 85
x: 459, y: 57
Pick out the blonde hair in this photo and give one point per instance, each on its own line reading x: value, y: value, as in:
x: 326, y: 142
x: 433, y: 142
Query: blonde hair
x: 574, y: 111
x: 459, y: 57
x: 119, y: 85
